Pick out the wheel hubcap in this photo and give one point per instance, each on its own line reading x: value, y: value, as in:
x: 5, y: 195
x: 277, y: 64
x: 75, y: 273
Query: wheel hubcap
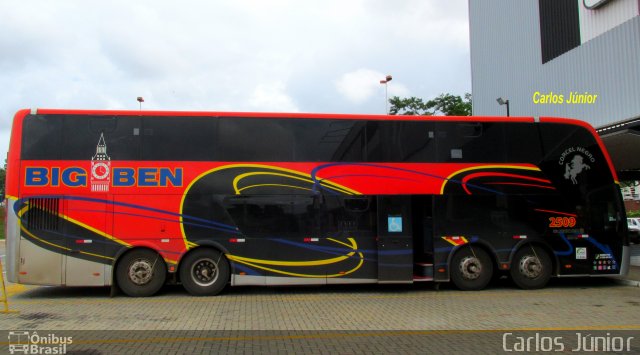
x: 530, y: 266
x: 470, y: 267
x: 140, y: 271
x: 204, y: 272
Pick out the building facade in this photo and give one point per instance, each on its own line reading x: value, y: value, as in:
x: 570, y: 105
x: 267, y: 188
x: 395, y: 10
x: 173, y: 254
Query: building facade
x: 568, y: 58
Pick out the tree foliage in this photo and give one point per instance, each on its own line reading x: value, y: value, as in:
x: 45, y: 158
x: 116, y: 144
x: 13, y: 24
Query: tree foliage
x: 412, y: 106
x: 445, y: 104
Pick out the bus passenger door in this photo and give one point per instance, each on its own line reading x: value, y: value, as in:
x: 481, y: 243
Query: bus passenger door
x: 395, y: 246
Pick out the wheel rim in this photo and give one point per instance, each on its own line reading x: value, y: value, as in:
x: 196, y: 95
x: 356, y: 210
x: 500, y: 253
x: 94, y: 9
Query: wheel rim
x: 470, y: 268
x: 530, y: 266
x: 204, y: 272
x: 140, y: 271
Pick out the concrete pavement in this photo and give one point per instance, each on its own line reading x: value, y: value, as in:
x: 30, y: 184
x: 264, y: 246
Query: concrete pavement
x: 632, y: 278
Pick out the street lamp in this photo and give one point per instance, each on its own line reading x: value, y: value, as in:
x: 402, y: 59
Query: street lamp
x: 140, y: 100
x: 387, y: 79
x: 502, y: 101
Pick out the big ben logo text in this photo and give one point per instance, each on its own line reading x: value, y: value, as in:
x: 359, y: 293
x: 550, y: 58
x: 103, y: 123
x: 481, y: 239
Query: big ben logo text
x: 102, y: 175
x: 100, y: 168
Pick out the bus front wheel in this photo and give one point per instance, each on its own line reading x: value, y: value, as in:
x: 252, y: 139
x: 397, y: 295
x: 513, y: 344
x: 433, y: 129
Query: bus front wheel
x: 141, y: 273
x: 204, y: 272
x: 471, y: 269
x: 531, y: 268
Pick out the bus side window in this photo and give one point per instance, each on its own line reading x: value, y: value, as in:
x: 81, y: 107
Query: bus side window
x: 470, y: 142
x: 178, y: 138
x: 415, y: 142
x: 81, y: 135
x: 42, y: 137
x: 273, y: 215
x: 356, y: 204
x: 400, y: 141
x: 602, y: 209
x: 255, y: 139
x: 345, y: 213
x: 523, y: 143
x: 471, y: 214
x: 328, y: 140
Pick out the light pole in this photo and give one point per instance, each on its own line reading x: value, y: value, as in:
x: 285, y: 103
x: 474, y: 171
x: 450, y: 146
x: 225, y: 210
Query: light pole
x: 502, y: 101
x: 140, y: 100
x: 387, y: 79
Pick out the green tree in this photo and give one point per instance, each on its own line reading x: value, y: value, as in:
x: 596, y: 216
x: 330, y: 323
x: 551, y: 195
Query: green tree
x: 412, y: 106
x: 445, y: 104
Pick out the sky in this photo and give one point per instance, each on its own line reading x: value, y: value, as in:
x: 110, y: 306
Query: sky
x: 242, y: 55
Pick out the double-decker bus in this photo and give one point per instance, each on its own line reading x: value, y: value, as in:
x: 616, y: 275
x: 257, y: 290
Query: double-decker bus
x: 138, y: 199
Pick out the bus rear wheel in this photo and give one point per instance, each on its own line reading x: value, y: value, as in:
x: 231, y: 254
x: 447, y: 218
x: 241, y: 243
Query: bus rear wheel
x: 531, y: 268
x: 204, y: 272
x: 141, y: 273
x: 471, y: 269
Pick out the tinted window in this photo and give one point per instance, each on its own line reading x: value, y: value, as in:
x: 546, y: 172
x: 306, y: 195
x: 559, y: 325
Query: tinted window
x: 81, y: 135
x: 604, y: 209
x: 75, y: 137
x: 263, y: 139
x: 178, y: 138
x: 566, y: 146
x: 398, y: 141
x: 415, y: 141
x: 255, y: 139
x: 272, y: 216
x: 41, y: 137
x: 470, y: 142
x: 340, y: 213
x: 328, y: 140
x: 523, y: 143
x: 469, y: 215
x: 376, y: 142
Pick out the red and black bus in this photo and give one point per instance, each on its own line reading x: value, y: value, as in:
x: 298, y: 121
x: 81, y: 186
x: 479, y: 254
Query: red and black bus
x: 206, y: 199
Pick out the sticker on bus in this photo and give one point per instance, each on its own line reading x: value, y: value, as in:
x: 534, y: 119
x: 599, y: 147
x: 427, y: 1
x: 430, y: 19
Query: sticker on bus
x: 394, y: 224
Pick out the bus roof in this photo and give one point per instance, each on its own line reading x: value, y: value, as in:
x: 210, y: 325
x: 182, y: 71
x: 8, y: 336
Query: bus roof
x: 45, y: 111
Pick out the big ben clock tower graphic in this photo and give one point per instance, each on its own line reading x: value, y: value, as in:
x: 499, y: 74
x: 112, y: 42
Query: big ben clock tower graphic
x: 100, y: 168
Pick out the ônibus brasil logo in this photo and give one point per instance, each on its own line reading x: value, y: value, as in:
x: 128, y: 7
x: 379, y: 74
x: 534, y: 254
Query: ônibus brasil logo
x: 24, y: 342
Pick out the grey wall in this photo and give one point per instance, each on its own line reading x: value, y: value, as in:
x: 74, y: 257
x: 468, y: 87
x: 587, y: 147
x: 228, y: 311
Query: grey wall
x: 506, y: 61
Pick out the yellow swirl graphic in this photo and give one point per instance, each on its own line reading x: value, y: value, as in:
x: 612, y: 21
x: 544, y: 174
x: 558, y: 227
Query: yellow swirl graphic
x: 268, y: 265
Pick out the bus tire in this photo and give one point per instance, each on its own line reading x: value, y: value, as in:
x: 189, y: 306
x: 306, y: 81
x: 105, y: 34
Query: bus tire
x: 471, y: 269
x: 141, y: 273
x: 204, y: 272
x: 531, y: 268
